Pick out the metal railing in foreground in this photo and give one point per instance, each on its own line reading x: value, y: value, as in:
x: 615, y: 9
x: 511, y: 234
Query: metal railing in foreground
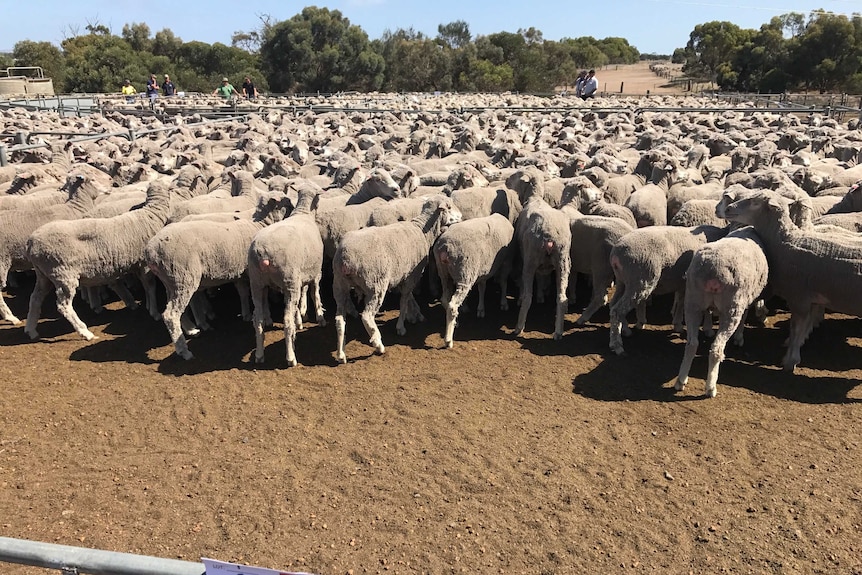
x: 71, y: 560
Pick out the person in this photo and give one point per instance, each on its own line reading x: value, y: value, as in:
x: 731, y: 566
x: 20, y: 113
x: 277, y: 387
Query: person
x: 591, y: 85
x: 248, y: 88
x: 168, y: 88
x: 579, y: 83
x: 152, y: 88
x: 226, y: 90
x: 129, y: 92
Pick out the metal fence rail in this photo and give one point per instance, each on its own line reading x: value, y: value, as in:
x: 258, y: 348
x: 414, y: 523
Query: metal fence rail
x: 82, y: 560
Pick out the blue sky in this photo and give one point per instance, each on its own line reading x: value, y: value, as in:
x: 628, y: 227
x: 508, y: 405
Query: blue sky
x: 650, y: 25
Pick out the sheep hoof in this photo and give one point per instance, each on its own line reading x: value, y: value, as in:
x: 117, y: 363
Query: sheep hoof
x: 34, y: 335
x: 14, y: 320
x: 401, y: 330
x: 341, y: 358
x: 193, y: 332
x: 580, y: 323
x: 449, y: 344
x: 618, y: 349
x: 680, y: 384
x: 88, y: 335
x: 321, y: 321
x: 558, y: 336
x: 258, y: 358
x: 186, y: 354
x: 626, y: 331
x: 291, y: 363
x: 380, y: 348
x: 518, y: 331
x: 710, y: 391
x: 480, y: 313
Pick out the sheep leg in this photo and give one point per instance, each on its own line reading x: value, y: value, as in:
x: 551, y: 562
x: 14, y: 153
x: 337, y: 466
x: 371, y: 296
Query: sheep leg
x: 678, y: 308
x: 5, y: 312
x: 542, y: 281
x: 409, y: 308
x: 341, y: 292
x: 93, y: 296
x: 242, y: 289
x: 303, y: 301
x: 706, y: 323
x: 728, y: 324
x: 640, y: 313
x: 692, y: 325
x: 503, y: 281
x: 258, y: 298
x: 65, y: 293
x: 178, y: 300
x: 373, y: 302
x: 461, y: 291
x: 188, y: 326
x: 801, y: 324
x: 481, y: 283
x: 292, y: 297
x: 563, y: 270
x: 318, y: 303
x: 148, y: 281
x: 601, y: 284
x: 124, y: 294
x: 37, y: 298
x: 200, y: 306
x: 527, y: 277
x: 629, y: 299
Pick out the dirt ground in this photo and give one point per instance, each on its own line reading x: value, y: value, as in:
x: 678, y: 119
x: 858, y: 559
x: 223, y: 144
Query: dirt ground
x: 637, y: 79
x: 502, y: 455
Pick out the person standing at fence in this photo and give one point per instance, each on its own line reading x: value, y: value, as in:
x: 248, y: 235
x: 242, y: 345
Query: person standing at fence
x: 129, y: 92
x: 579, y: 83
x: 152, y: 88
x: 248, y: 89
x: 591, y: 86
x: 168, y: 88
x: 226, y: 90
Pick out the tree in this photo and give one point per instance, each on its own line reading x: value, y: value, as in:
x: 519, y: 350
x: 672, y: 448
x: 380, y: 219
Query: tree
x: 138, y: 37
x: 98, y: 62
x: 824, y: 54
x: 678, y: 56
x: 712, y: 44
x: 319, y: 50
x: 455, y: 34
x: 43, y: 54
x: 165, y: 43
x: 251, y: 41
x: 618, y: 50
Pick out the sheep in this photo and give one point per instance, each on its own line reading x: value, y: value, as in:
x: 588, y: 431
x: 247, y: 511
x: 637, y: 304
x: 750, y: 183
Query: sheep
x: 467, y: 254
x: 189, y: 255
x: 544, y: 237
x: 92, y: 252
x: 373, y: 260
x: 649, y: 261
x: 851, y: 202
x: 287, y: 256
x: 810, y: 270
x: 697, y: 213
x: 244, y: 198
x: 725, y: 276
x: 481, y: 202
x: 17, y: 225
x: 591, y: 201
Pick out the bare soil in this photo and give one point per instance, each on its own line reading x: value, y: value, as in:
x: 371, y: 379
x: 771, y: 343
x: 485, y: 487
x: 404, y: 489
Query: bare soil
x: 502, y: 455
x: 638, y: 79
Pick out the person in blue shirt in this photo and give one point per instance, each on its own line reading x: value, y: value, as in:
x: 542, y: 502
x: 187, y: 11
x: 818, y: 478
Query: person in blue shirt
x: 168, y: 88
x: 152, y: 88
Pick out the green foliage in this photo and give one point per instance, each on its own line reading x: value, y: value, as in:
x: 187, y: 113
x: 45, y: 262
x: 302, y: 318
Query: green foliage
x: 455, y: 34
x: 319, y: 50
x: 44, y: 54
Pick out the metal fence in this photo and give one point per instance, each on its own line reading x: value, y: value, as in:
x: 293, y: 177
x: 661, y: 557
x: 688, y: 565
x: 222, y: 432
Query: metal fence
x: 73, y: 560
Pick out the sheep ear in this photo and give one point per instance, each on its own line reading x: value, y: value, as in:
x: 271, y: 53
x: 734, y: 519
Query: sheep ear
x: 776, y: 204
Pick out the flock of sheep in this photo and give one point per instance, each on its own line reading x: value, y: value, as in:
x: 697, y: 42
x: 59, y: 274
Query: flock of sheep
x: 723, y: 209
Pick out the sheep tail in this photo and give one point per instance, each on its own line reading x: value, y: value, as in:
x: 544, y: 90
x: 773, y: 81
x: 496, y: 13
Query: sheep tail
x: 346, y: 270
x: 550, y: 245
x: 444, y: 257
x: 265, y: 264
x: 713, y: 286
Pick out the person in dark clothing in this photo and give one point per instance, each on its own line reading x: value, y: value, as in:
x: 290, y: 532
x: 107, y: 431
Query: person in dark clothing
x: 248, y: 89
x: 152, y: 88
x: 168, y: 88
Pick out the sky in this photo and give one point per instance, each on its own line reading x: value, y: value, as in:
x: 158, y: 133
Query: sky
x: 652, y: 26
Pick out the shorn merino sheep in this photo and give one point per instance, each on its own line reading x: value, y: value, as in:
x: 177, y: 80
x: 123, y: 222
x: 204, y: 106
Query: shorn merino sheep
x: 649, y: 261
x: 287, y: 256
x: 545, y: 239
x: 189, y: 255
x: 725, y: 276
x: 810, y: 270
x: 92, y: 252
x: 467, y: 254
x: 374, y: 260
x: 17, y: 225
